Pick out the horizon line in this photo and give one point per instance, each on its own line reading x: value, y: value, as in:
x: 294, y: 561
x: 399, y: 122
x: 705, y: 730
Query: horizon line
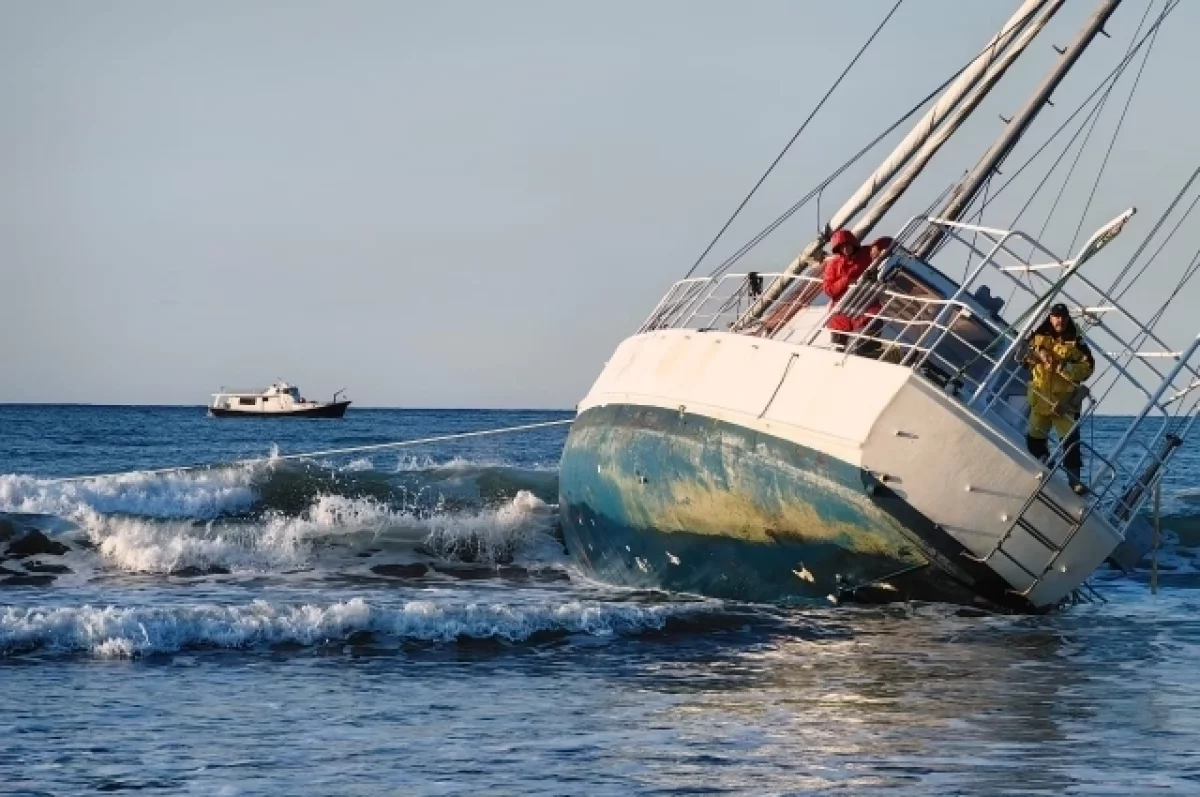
x: 348, y: 409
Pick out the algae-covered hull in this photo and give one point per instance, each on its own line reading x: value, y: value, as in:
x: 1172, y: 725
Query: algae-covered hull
x: 657, y: 498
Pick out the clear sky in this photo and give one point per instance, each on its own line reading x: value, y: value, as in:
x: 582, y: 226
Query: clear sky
x: 463, y: 204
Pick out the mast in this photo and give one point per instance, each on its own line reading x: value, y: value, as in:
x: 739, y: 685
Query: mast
x: 919, y: 134
x: 971, y: 186
x: 931, y: 146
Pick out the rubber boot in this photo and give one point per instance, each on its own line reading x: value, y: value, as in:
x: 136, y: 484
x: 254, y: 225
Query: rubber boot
x: 1038, y: 446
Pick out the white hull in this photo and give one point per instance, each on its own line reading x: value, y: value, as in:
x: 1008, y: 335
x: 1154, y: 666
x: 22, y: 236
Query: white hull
x: 278, y: 401
x: 952, y: 467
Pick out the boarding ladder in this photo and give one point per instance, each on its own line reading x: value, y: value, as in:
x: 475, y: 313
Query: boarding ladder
x: 1024, y: 527
x: 1124, y: 479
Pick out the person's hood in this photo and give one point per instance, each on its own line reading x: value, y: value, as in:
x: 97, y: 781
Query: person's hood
x: 841, y: 238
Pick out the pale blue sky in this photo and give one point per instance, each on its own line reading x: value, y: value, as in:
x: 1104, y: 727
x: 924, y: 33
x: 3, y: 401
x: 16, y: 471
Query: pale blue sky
x: 460, y: 203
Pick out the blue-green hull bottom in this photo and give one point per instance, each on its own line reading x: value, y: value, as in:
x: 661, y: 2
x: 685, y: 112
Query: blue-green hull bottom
x: 660, y: 499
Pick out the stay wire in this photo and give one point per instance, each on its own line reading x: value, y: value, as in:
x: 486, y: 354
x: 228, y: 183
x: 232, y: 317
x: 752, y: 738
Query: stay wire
x: 1062, y: 190
x: 1106, y: 85
x: 796, y: 135
x: 1087, y: 101
x: 310, y: 454
x: 1057, y: 161
x: 1115, y: 73
x: 1142, y: 337
x: 1159, y: 250
x: 815, y: 192
x: 1162, y: 219
x: 1188, y: 274
x: 1117, y: 131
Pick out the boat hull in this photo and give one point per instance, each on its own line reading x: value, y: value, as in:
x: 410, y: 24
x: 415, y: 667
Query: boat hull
x: 656, y: 498
x: 333, y: 410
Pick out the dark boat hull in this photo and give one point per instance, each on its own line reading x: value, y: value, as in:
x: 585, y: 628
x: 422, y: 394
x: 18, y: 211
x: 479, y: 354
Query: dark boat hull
x: 654, y: 498
x: 333, y: 410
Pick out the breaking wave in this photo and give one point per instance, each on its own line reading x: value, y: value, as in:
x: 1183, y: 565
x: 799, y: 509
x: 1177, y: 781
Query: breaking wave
x: 274, y: 542
x: 273, y: 516
x: 270, y: 485
x: 113, y: 632
x: 195, y: 494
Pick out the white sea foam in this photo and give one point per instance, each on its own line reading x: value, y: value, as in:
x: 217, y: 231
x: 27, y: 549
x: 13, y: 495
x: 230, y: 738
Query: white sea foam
x: 493, y: 534
x: 145, y: 545
x: 193, y: 494
x: 139, y: 545
x: 119, y: 632
x: 414, y: 462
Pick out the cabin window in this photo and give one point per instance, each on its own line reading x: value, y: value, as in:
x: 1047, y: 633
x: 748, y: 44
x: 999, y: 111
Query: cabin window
x: 958, y: 351
x: 247, y: 402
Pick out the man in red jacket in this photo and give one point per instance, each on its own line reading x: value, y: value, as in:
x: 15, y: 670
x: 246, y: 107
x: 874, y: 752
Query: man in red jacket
x: 841, y: 270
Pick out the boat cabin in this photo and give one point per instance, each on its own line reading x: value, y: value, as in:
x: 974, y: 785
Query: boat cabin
x: 961, y: 336
x: 279, y: 399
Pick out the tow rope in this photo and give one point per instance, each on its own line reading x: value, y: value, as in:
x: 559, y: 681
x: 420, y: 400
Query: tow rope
x: 326, y: 453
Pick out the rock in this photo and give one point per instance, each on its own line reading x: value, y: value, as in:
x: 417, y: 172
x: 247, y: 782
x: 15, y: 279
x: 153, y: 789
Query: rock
x: 400, y: 571
x: 467, y: 573
x: 191, y: 571
x: 549, y: 574
x: 513, y: 573
x: 470, y: 549
x: 360, y: 638
x: 8, y: 530
x: 27, y: 581
x: 36, y: 566
x: 35, y: 543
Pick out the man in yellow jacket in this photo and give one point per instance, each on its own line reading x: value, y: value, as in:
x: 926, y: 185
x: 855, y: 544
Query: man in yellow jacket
x: 1059, y: 362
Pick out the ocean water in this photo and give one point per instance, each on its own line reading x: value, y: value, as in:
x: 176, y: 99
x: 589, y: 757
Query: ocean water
x: 407, y: 622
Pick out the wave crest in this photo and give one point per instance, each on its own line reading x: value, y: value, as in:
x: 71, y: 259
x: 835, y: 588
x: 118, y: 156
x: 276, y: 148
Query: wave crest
x: 112, y: 632
x: 194, y: 494
x: 521, y: 527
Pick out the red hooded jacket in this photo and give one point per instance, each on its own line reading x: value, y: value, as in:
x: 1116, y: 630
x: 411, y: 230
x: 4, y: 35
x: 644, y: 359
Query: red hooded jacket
x: 840, y: 273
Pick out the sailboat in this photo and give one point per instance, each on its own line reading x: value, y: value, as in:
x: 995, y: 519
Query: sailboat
x: 735, y: 447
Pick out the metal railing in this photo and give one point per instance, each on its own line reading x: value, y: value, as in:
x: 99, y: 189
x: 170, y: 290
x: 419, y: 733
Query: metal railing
x: 952, y: 336
x: 704, y: 303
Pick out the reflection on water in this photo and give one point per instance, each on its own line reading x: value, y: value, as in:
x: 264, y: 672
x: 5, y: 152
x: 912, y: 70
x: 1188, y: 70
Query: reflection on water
x: 907, y: 700
x: 296, y: 630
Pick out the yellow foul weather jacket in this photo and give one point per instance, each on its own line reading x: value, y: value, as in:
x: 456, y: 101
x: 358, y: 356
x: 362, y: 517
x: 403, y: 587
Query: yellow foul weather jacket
x: 1051, y: 387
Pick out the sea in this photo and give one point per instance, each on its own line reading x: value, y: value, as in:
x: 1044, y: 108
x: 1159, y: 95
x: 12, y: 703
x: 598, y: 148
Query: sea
x: 407, y: 621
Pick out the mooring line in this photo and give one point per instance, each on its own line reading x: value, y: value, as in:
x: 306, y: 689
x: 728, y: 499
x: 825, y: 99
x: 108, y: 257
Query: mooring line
x: 310, y: 454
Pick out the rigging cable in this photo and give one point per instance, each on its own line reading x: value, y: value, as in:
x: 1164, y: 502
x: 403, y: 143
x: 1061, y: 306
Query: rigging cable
x: 1094, y: 116
x: 795, y: 136
x: 1190, y: 272
x: 1057, y: 161
x: 325, y: 453
x: 1115, y: 73
x: 1153, y: 232
x: 1106, y: 85
x: 1161, y: 246
x: 1140, y: 339
x: 1117, y: 132
x: 815, y: 192
x: 1087, y: 101
x: 1142, y: 336
x: 1062, y: 190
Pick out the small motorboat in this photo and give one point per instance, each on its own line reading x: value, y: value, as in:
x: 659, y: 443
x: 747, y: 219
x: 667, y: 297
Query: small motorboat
x: 280, y: 400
